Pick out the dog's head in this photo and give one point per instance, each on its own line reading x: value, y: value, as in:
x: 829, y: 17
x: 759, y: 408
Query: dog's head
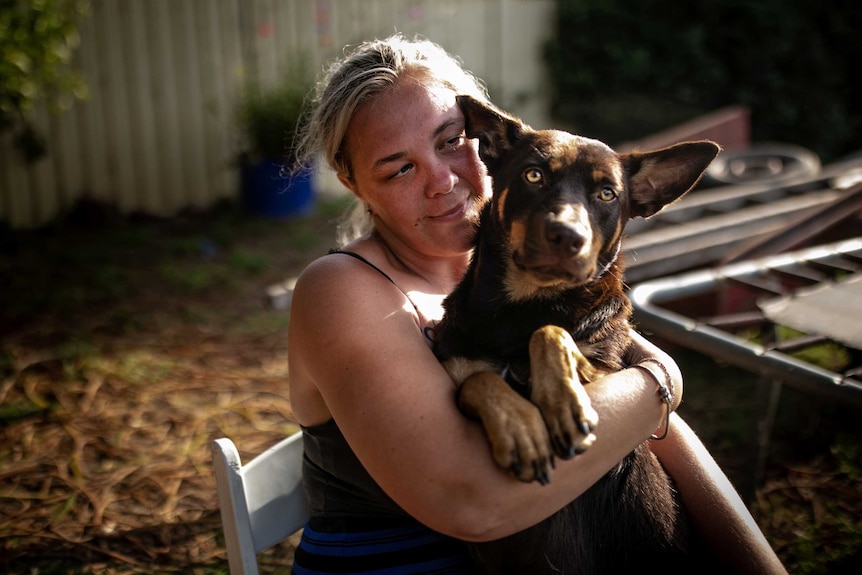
x: 561, y: 201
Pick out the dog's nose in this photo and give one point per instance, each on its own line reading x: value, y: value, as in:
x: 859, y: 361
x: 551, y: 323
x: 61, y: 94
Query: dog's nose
x: 565, y: 238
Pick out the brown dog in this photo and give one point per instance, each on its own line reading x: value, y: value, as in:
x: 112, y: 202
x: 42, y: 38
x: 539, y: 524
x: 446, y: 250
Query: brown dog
x: 541, y: 311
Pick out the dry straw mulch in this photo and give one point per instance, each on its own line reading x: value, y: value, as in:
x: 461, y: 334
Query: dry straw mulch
x: 111, y: 466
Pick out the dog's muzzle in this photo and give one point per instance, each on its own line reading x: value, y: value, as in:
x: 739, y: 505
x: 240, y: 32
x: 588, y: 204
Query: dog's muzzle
x: 560, y: 251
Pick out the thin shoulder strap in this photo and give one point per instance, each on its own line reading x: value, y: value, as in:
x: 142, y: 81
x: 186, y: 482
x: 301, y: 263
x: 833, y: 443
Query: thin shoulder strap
x: 371, y: 265
x: 427, y: 330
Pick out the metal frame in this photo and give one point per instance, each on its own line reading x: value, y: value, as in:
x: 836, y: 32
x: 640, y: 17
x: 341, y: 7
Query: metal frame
x: 654, y: 300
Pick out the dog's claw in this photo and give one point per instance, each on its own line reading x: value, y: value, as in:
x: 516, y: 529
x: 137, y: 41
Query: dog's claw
x: 516, y: 466
x: 585, y: 427
x: 541, y: 473
x: 564, y: 446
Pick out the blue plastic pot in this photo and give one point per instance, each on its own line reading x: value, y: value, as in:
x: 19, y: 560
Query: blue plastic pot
x: 271, y: 189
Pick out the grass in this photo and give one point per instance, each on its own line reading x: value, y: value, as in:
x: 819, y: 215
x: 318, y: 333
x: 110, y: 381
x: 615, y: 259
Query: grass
x: 127, y: 345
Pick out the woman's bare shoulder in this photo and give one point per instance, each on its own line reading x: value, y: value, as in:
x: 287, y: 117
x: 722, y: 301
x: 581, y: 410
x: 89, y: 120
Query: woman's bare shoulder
x: 341, y: 307
x: 325, y: 268
x: 338, y: 277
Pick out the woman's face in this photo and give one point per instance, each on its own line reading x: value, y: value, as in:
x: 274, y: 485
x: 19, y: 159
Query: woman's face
x: 414, y: 168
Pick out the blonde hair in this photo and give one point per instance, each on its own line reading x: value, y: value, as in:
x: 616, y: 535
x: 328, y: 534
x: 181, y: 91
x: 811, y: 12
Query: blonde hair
x: 369, y: 70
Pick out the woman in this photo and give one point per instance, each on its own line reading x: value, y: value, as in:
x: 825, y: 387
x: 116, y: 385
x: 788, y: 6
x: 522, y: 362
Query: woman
x: 396, y: 476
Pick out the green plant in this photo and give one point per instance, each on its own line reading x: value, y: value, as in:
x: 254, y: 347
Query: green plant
x: 37, y: 41
x: 270, y: 115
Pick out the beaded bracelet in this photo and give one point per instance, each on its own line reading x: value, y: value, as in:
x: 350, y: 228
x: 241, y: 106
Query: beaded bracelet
x: 665, y: 389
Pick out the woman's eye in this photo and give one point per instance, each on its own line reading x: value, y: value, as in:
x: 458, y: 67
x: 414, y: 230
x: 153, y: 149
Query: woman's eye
x: 401, y: 171
x: 607, y: 194
x: 533, y: 176
x: 455, y: 142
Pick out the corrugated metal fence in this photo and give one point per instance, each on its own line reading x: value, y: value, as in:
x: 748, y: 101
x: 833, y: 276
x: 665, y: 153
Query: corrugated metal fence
x: 158, y: 132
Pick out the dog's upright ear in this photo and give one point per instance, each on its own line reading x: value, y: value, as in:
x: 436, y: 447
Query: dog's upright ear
x: 660, y: 177
x: 495, y: 129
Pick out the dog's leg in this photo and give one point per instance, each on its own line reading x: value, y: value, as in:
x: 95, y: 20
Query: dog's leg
x: 515, y: 428
x: 555, y: 365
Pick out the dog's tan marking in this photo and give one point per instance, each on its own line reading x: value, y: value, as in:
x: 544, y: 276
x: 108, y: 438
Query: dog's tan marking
x: 460, y: 368
x: 501, y: 203
x: 618, y: 232
x: 517, y: 235
x: 520, y: 287
x: 604, y: 175
x: 557, y: 164
x: 561, y: 148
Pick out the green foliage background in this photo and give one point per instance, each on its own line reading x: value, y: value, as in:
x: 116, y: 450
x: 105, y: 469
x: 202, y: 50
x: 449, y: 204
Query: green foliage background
x: 623, y: 69
x: 37, y: 41
x: 270, y: 116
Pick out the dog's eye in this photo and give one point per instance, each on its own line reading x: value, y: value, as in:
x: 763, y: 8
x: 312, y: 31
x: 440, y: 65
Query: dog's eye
x: 533, y: 175
x: 607, y: 194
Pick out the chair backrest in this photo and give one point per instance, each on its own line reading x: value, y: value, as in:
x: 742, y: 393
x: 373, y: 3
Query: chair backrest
x: 262, y: 502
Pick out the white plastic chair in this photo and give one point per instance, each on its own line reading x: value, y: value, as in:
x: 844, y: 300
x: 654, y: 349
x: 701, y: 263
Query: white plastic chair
x: 262, y: 503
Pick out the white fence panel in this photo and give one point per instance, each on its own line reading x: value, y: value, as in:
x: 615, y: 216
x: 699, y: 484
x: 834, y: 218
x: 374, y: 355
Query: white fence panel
x: 158, y: 132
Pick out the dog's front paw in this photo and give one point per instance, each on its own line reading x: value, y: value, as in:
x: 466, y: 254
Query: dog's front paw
x: 520, y: 443
x: 556, y: 364
x: 570, y: 425
x: 514, y: 426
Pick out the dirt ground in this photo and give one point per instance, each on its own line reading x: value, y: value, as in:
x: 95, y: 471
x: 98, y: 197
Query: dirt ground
x: 128, y: 344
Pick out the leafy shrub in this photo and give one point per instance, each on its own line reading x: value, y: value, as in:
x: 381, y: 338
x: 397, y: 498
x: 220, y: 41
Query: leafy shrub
x: 37, y: 41
x: 270, y: 116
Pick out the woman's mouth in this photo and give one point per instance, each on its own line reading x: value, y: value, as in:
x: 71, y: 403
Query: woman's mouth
x: 456, y: 213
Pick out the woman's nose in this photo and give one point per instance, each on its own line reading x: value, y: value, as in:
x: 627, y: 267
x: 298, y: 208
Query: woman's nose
x: 442, y: 179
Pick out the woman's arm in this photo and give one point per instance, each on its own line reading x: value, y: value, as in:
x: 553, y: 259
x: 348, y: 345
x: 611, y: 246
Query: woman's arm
x: 355, y: 341
x: 718, y: 512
